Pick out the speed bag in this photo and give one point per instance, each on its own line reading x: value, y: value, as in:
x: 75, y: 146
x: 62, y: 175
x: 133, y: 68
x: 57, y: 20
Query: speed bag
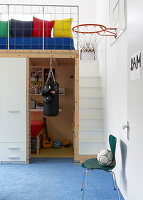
x: 51, y: 98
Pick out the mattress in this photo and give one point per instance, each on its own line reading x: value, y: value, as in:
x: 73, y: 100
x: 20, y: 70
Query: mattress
x: 37, y: 43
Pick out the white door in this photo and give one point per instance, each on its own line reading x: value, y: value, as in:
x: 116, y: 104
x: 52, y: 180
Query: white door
x: 13, y: 100
x: 135, y: 103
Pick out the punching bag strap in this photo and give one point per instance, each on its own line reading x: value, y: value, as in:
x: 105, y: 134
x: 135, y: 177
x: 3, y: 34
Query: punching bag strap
x: 50, y: 72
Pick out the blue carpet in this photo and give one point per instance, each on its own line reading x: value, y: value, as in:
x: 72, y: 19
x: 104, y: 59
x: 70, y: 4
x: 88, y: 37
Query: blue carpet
x: 53, y: 179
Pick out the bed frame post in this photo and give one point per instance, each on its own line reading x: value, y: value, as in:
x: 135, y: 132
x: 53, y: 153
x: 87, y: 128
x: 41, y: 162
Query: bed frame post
x: 76, y: 114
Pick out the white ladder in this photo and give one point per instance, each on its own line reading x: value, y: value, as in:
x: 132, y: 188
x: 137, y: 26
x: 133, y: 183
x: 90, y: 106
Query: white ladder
x: 91, y: 131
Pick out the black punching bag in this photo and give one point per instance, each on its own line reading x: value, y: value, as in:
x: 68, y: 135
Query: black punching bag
x: 51, y: 98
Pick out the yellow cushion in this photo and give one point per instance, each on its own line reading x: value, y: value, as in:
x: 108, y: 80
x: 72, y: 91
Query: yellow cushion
x: 62, y: 28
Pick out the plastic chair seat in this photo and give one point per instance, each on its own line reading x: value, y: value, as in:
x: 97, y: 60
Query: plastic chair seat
x: 94, y: 164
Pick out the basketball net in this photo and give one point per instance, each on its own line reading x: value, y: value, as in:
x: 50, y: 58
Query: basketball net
x: 89, y: 37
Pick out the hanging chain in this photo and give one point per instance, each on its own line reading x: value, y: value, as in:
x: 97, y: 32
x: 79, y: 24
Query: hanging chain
x: 50, y: 64
x: 50, y: 72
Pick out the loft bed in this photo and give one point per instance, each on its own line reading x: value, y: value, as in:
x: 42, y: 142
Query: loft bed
x: 50, y: 37
x: 34, y: 27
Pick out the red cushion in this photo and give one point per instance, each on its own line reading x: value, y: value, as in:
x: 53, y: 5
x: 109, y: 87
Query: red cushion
x: 38, y: 28
x: 36, y: 128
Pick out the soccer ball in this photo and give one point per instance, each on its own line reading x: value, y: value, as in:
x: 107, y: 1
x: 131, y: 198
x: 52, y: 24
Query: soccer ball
x: 105, y: 157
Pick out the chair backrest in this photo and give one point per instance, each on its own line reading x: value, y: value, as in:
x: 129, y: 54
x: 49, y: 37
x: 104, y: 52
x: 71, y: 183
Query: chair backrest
x: 112, y: 142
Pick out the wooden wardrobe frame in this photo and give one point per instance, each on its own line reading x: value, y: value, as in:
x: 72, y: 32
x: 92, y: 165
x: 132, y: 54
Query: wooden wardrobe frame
x: 48, y: 54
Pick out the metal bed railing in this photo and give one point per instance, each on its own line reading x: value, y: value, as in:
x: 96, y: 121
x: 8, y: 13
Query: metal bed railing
x: 25, y: 12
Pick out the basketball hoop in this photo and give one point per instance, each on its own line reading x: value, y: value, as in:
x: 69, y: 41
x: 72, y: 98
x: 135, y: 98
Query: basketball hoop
x: 90, y: 35
x: 109, y: 32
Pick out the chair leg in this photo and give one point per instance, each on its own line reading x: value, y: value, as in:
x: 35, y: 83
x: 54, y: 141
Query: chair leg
x: 84, y: 183
x: 116, y: 185
x: 113, y: 180
x: 83, y: 180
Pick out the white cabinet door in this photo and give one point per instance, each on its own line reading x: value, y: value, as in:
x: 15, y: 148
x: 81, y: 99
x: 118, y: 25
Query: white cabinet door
x: 12, y: 99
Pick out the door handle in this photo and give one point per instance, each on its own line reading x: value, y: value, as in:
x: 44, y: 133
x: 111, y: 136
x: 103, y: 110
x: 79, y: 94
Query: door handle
x: 13, y: 157
x: 125, y: 126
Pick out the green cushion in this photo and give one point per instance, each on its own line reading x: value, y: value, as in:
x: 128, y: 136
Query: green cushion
x: 94, y: 164
x: 4, y: 28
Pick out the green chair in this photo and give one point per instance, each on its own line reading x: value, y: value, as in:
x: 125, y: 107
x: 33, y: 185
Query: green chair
x: 92, y: 164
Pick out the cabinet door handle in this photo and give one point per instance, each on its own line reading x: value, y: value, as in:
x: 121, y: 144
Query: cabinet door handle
x: 13, y: 148
x: 13, y: 111
x: 13, y: 157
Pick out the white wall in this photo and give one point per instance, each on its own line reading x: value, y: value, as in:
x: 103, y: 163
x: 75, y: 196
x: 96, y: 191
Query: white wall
x: 114, y: 70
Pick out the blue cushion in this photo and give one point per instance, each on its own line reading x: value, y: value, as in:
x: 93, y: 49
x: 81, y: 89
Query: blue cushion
x: 37, y: 43
x: 21, y: 28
